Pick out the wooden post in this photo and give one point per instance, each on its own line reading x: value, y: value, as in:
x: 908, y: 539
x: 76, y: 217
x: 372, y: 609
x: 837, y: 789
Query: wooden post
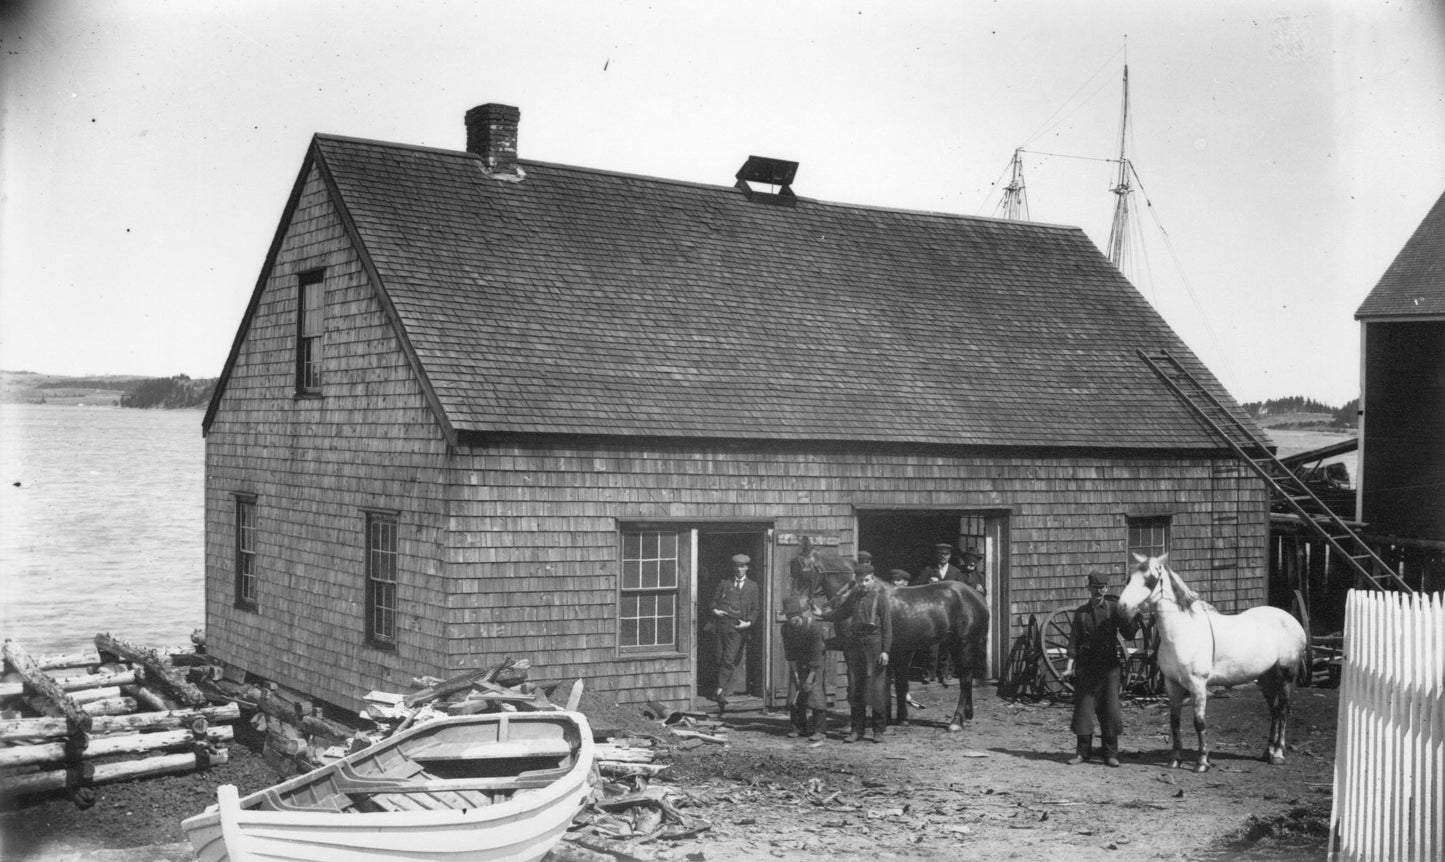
x: 157, y: 672
x: 49, y: 728
x: 131, y: 743
x: 110, y: 706
x: 88, y: 773
x: 151, y: 699
x: 20, y: 661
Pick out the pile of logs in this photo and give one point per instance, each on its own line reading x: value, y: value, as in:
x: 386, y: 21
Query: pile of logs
x: 298, y: 736
x: 121, y: 712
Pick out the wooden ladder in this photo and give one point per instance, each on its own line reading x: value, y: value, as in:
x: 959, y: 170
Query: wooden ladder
x: 1285, y: 486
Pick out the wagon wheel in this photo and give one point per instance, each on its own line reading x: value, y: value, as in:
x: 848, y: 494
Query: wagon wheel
x: 1021, y: 677
x: 1054, y: 646
x: 1141, y: 664
x: 1306, y: 674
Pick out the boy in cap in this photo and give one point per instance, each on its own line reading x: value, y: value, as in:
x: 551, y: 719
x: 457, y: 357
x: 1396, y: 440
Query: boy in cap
x: 1095, y: 663
x: 736, y: 605
x: 803, y: 649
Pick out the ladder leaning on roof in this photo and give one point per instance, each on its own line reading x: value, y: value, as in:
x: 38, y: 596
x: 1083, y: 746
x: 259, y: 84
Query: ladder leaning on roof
x: 1283, y: 483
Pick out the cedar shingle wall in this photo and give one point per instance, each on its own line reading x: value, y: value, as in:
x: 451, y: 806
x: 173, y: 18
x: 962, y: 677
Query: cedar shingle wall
x: 314, y: 464
x: 532, y: 551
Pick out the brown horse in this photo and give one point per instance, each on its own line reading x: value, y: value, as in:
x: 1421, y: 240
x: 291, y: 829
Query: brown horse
x: 945, y: 614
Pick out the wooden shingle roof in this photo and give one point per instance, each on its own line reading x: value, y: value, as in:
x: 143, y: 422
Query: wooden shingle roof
x: 1414, y: 285
x: 576, y: 301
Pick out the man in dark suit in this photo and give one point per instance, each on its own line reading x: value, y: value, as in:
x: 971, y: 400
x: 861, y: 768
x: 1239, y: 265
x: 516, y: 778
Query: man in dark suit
x: 941, y: 569
x: 1095, y: 663
x: 735, y: 606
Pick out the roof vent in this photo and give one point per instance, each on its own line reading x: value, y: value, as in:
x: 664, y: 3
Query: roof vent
x: 777, y: 173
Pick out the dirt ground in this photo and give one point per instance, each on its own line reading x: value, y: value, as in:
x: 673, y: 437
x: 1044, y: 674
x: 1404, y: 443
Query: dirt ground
x: 999, y: 790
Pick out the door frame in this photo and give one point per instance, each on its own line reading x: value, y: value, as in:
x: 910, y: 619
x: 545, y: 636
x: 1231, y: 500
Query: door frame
x: 995, y: 568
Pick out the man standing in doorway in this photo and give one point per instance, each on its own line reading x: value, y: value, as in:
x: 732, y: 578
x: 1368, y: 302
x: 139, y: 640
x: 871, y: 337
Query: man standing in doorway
x: 735, y: 607
x: 941, y: 569
x: 969, y: 572
x: 1095, y: 663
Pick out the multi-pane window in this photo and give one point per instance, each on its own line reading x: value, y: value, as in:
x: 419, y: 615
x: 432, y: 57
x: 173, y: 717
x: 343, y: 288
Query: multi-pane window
x: 973, y: 532
x: 381, y: 578
x: 310, y: 326
x: 648, y: 608
x: 1148, y: 536
x: 246, y: 552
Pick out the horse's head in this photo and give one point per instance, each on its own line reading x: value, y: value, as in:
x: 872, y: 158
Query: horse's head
x: 1145, y: 583
x: 1152, y: 582
x: 835, y: 579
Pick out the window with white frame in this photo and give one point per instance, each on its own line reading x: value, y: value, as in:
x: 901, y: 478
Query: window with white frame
x: 381, y: 557
x: 246, y: 576
x: 652, y: 562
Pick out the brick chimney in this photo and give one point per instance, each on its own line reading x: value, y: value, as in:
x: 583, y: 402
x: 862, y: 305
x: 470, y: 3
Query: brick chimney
x: 492, y: 134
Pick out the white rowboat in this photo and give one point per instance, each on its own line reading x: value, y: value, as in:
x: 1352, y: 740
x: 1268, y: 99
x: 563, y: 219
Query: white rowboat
x: 495, y: 787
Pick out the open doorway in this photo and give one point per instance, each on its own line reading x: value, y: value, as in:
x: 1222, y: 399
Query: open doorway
x: 716, y: 546
x: 905, y: 539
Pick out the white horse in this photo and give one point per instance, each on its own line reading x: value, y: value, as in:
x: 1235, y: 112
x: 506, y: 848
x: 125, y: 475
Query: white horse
x: 1200, y: 647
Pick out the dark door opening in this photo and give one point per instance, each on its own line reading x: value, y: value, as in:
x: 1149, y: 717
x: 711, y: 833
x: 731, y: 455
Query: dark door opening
x: 715, y: 549
x: 904, y: 539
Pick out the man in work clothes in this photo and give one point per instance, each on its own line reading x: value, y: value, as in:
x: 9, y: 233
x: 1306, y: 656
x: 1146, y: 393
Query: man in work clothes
x: 870, y: 636
x: 803, y: 649
x: 1096, y: 664
x: 736, y: 606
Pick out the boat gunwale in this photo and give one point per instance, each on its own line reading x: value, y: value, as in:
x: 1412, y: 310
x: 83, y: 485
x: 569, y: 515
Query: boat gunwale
x: 535, y: 797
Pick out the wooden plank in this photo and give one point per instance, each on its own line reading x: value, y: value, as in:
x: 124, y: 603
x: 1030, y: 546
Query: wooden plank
x: 41, y: 683
x: 460, y: 682
x: 133, y: 743
x: 43, y: 728
x: 157, y: 672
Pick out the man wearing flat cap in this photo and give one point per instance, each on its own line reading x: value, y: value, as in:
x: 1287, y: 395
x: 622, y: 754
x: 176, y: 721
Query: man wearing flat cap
x: 1096, y: 663
x: 940, y: 569
x: 870, y: 637
x: 735, y: 606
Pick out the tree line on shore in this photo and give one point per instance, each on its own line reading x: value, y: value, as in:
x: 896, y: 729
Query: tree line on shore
x: 1301, y: 412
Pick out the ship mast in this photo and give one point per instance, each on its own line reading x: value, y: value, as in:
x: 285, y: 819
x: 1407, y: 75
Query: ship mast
x: 1119, y: 230
x: 1015, y: 203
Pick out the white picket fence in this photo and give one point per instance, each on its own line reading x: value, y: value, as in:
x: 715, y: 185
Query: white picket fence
x: 1390, y: 744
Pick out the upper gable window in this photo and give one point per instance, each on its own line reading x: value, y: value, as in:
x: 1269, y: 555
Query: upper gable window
x: 310, y: 327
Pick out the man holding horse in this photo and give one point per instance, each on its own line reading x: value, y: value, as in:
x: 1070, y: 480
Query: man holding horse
x: 870, y: 637
x: 1096, y: 664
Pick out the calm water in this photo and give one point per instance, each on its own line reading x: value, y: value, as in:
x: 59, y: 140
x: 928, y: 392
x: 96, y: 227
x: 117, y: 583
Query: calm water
x: 101, y: 525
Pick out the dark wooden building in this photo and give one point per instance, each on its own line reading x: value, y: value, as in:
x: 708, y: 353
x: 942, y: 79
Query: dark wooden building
x: 1401, y: 482
x: 481, y: 406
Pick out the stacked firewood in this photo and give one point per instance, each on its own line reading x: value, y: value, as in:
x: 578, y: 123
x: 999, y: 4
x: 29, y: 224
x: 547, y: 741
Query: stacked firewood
x: 123, y: 711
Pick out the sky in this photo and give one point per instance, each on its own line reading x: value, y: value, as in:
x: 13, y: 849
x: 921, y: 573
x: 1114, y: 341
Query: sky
x: 1285, y: 151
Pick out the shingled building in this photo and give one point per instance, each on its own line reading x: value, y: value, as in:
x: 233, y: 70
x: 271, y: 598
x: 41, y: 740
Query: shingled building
x: 482, y: 406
